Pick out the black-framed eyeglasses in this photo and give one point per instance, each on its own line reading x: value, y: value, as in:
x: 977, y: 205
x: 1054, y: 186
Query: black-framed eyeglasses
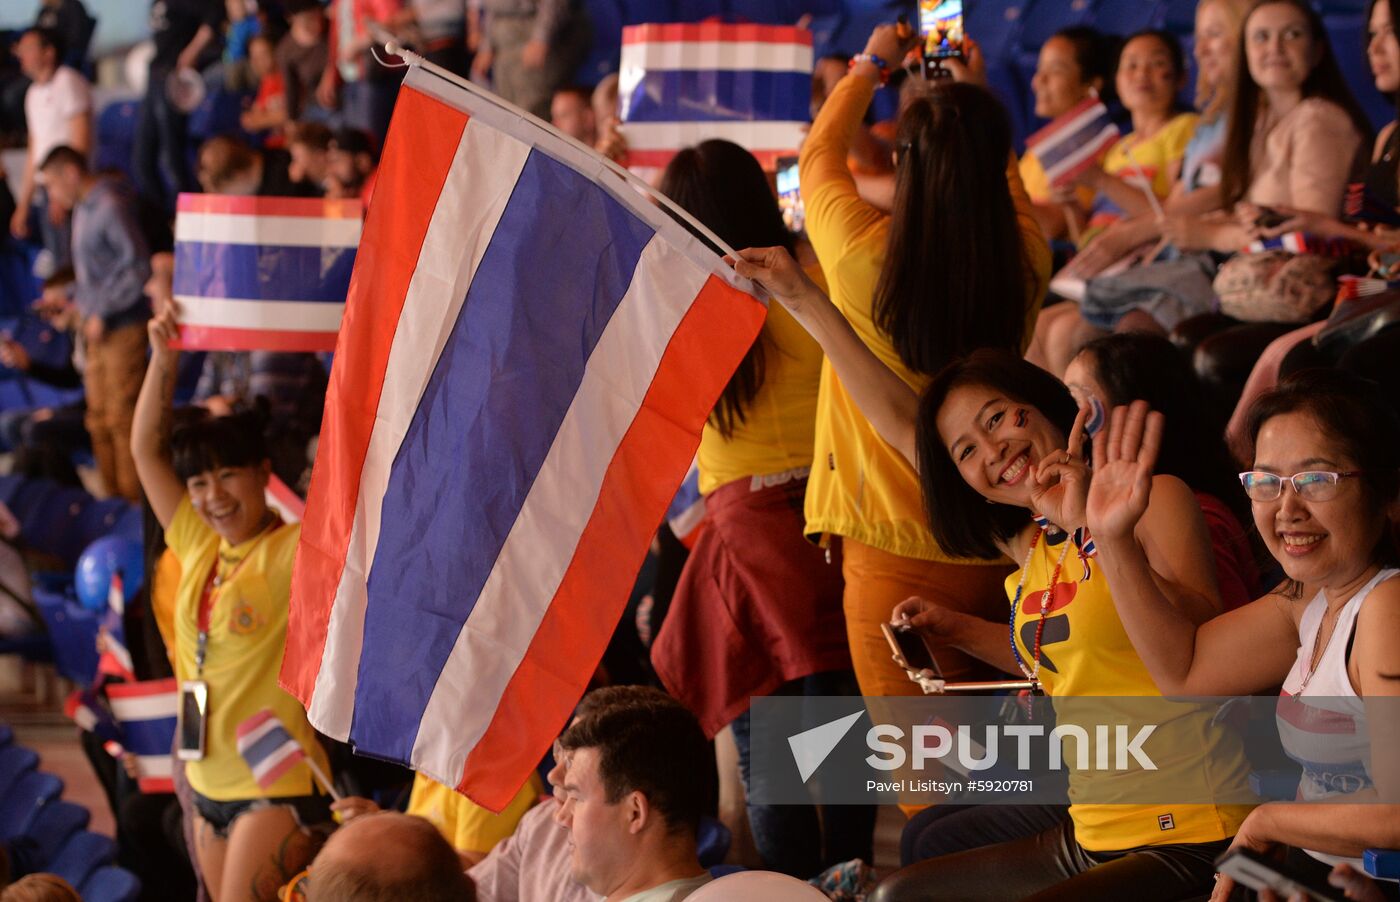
x: 1310, y: 485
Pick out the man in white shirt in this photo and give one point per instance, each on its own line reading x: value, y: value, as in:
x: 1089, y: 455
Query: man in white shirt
x: 638, y: 780
x: 58, y: 112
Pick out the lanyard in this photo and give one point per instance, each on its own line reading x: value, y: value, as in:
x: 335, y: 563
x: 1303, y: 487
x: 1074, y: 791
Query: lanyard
x: 207, y: 597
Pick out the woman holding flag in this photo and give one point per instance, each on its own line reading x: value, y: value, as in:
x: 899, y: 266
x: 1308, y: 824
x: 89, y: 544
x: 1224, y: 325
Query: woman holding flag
x: 960, y: 263
x: 206, y: 485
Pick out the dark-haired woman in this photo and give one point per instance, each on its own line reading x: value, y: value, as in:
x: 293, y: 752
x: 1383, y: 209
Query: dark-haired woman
x: 1118, y: 369
x: 959, y: 264
x: 998, y: 440
x: 1324, y: 488
x: 758, y: 608
x: 206, y: 486
x: 1074, y: 64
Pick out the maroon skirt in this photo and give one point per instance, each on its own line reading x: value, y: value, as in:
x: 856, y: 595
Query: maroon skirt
x: 757, y: 605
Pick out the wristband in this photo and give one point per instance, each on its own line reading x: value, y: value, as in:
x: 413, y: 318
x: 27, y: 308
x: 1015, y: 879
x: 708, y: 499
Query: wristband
x: 876, y: 62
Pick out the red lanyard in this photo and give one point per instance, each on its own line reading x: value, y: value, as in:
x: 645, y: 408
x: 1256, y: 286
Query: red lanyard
x: 207, y: 599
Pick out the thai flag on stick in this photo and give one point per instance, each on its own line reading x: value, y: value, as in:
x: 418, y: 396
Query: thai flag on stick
x: 530, y: 350
x: 262, y: 273
x: 146, y: 713
x: 271, y: 751
x: 683, y: 84
x: 114, y: 659
x: 1074, y: 141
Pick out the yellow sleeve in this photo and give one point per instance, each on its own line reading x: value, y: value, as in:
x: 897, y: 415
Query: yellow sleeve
x: 835, y: 212
x: 164, y: 590
x: 186, y: 530
x: 1034, y: 249
x: 477, y: 830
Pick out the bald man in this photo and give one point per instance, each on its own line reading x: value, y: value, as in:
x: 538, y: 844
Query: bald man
x: 385, y: 857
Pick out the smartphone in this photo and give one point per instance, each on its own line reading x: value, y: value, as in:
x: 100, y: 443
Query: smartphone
x: 192, y: 721
x: 941, y: 29
x: 1249, y: 868
x: 910, y: 650
x: 789, y: 196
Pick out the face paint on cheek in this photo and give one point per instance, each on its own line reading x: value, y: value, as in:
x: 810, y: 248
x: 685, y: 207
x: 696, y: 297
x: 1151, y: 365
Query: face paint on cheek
x: 1021, y: 416
x: 1097, y: 418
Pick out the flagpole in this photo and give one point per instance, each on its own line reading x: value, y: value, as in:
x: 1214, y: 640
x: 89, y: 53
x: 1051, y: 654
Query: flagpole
x: 1152, y: 201
x: 321, y: 778
x: 392, y: 46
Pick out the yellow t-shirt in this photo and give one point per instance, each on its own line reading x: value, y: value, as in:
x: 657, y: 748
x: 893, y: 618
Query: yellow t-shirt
x: 1086, y: 652
x: 247, y: 631
x: 776, y: 434
x: 1156, y: 156
x: 861, y: 487
x: 462, y: 822
x: 164, y: 588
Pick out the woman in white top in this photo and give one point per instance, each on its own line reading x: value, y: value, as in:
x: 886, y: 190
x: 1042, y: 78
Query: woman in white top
x: 1324, y: 487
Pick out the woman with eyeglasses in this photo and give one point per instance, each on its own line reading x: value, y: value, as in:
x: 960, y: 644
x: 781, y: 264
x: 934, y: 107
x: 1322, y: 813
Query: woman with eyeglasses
x: 1323, y: 488
x: 997, y: 441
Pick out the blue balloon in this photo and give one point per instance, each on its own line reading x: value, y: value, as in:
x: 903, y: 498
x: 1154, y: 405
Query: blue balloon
x: 100, y: 561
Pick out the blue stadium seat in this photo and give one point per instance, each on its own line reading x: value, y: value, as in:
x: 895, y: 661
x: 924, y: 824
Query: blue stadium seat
x: 1117, y: 17
x: 53, y: 527
x: 116, y: 134
x: 995, y: 26
x: 712, y: 842
x: 20, y: 807
x: 1043, y: 18
x: 111, y: 884
x: 72, y: 633
x: 1382, y: 863
x: 1348, y: 36
x: 15, y: 762
x: 83, y: 854
x: 55, y: 825
x: 1179, y: 16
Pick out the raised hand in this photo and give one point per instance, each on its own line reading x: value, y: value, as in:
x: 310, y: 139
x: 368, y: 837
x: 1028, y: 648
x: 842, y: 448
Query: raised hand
x: 776, y: 270
x: 1125, y: 455
x: 1059, y: 482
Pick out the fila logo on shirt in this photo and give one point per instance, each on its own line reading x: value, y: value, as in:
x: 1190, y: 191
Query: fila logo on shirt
x: 1166, y: 822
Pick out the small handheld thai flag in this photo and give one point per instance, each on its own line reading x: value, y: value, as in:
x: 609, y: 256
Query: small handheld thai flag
x: 86, y: 709
x: 1074, y: 142
x: 268, y: 748
x: 687, y: 510
x: 114, y: 660
x: 263, y: 273
x: 146, y: 713
x: 683, y: 84
x: 1303, y: 243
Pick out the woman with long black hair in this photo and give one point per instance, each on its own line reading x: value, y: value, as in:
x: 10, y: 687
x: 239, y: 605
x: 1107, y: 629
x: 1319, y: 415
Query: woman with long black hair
x: 959, y: 264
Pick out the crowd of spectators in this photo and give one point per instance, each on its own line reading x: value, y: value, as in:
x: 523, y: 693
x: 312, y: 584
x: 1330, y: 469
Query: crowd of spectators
x: 968, y: 371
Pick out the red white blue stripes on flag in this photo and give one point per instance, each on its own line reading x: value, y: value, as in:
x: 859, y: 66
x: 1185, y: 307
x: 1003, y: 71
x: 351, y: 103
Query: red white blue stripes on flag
x: 529, y: 353
x: 263, y: 273
x: 683, y: 84
x: 268, y: 748
x: 1074, y: 141
x: 146, y: 713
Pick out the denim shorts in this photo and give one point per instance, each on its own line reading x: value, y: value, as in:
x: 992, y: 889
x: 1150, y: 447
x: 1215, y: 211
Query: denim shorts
x: 309, y: 811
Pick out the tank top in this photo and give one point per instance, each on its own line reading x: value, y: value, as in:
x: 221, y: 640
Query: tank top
x: 1086, y: 652
x: 1327, y: 734
x: 1382, y: 179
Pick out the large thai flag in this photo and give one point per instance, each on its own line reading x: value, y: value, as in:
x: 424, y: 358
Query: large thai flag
x: 683, y: 84
x: 147, y: 713
x: 1074, y: 141
x: 263, y: 273
x: 529, y: 353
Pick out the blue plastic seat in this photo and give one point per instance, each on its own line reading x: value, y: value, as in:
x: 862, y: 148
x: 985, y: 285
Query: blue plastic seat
x: 83, y: 854
x: 1116, y: 17
x: 55, y: 825
x: 1347, y: 33
x: 1382, y: 863
x: 20, y: 807
x: 995, y: 26
x: 72, y: 633
x: 712, y: 842
x: 111, y: 884
x: 15, y: 762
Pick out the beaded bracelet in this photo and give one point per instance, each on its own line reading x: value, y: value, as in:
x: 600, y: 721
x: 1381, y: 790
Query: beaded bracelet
x: 875, y: 61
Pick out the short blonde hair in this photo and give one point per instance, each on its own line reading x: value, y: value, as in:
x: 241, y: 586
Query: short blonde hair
x: 40, y: 888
